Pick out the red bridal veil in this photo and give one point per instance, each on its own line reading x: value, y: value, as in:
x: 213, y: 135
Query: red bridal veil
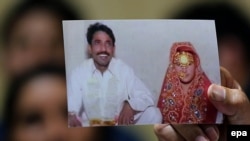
x: 191, y: 106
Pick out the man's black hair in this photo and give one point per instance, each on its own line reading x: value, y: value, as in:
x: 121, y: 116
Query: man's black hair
x: 93, y: 28
x: 58, y: 8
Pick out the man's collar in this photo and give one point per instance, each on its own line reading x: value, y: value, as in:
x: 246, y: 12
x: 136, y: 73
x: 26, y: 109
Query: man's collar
x: 111, y: 66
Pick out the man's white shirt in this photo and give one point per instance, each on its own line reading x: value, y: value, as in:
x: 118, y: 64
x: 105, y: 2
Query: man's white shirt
x: 88, y: 88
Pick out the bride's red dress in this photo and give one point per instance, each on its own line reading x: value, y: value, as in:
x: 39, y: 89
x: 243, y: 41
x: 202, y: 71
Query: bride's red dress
x: 191, y: 106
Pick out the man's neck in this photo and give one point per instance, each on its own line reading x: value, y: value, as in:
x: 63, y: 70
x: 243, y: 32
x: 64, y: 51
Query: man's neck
x: 102, y: 69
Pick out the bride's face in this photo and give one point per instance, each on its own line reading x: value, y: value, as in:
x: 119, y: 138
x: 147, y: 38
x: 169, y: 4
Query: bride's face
x: 185, y: 67
x: 186, y: 74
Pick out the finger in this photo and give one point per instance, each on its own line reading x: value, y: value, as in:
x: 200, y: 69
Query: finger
x: 73, y: 121
x: 131, y: 120
x: 125, y: 120
x: 231, y: 102
x: 128, y: 120
x: 120, y: 119
x: 211, y: 131
x: 165, y: 132
x: 226, y: 78
x: 190, y: 132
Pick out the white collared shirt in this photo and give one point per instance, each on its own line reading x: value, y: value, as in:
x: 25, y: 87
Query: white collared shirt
x: 87, y: 85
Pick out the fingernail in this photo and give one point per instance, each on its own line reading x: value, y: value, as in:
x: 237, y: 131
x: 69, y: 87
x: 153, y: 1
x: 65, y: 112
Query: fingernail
x: 200, y: 138
x: 219, y: 93
x: 212, y: 134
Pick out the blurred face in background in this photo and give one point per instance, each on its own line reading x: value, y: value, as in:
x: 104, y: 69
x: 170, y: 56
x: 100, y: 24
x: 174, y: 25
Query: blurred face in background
x: 35, y: 39
x: 232, y: 57
x: 41, y: 113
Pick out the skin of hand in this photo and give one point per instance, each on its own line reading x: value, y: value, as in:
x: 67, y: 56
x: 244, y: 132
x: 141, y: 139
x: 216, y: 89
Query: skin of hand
x: 126, y: 116
x: 230, y: 100
x: 73, y: 121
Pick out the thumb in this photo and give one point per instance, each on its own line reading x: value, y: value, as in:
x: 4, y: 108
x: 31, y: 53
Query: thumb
x: 231, y: 102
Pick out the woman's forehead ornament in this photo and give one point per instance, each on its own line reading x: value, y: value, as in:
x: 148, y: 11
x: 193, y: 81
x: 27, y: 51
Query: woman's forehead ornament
x: 183, y: 59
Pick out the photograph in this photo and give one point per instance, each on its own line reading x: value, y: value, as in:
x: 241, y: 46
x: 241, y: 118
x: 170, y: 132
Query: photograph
x: 140, y: 72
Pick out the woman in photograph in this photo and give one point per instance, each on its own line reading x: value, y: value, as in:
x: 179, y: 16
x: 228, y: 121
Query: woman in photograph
x: 183, y: 97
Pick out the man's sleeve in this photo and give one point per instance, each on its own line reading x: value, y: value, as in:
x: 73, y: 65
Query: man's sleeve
x: 139, y: 96
x: 74, y: 93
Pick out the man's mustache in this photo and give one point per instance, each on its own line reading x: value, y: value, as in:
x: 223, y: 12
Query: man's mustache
x: 106, y: 53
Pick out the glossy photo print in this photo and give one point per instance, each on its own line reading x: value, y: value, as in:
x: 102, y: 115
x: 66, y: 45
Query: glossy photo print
x: 138, y: 72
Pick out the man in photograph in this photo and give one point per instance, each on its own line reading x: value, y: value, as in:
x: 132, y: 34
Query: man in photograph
x: 107, y: 77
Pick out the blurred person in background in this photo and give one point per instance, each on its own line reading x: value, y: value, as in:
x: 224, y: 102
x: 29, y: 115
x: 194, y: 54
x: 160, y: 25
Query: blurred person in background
x: 32, y: 36
x: 36, y: 109
x: 233, y: 32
